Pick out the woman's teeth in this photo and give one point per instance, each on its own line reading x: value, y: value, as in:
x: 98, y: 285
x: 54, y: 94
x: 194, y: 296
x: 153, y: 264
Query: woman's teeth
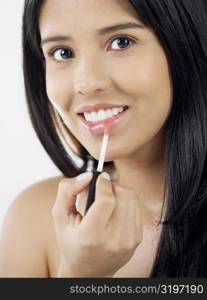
x: 102, y: 114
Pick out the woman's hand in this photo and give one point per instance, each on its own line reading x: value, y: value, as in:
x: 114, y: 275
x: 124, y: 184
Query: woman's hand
x: 102, y: 241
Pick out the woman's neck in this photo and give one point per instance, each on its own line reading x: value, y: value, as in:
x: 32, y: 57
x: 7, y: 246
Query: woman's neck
x: 144, y: 172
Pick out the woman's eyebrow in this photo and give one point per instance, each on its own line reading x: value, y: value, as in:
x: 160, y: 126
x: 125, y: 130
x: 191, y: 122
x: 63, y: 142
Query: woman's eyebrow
x: 101, y: 31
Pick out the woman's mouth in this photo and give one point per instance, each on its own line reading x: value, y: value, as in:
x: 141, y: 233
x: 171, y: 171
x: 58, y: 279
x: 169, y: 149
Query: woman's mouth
x: 95, y: 122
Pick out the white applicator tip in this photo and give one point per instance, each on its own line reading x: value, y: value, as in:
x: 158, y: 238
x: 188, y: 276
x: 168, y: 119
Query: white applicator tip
x: 107, y: 131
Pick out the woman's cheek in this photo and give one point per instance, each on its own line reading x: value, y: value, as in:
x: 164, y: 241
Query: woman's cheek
x: 131, y: 75
x: 57, y: 87
x: 146, y: 82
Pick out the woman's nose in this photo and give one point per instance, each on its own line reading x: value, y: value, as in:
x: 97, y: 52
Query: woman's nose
x: 91, y: 77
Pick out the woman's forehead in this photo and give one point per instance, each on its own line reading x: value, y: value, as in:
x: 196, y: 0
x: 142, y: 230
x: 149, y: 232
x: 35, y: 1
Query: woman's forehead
x: 84, y: 13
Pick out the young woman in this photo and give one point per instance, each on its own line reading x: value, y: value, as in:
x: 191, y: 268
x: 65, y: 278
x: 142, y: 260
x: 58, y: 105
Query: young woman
x: 149, y: 217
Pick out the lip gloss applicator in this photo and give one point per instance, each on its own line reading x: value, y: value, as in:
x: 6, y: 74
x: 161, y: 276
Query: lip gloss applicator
x: 92, y: 185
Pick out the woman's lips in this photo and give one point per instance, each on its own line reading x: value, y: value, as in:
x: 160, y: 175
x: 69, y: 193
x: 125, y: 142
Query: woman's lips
x: 97, y: 128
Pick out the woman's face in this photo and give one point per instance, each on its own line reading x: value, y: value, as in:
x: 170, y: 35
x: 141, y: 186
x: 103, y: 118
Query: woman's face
x: 88, y: 68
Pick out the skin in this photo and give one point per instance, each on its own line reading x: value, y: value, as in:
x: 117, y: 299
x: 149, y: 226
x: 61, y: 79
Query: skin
x: 98, y: 71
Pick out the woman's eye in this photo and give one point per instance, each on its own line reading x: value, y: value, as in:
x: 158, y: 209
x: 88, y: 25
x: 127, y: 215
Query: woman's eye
x: 123, y: 42
x: 60, y: 54
x: 119, y: 43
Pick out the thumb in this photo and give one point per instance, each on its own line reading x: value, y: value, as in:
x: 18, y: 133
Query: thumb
x: 104, y: 186
x: 104, y: 203
x: 68, y: 189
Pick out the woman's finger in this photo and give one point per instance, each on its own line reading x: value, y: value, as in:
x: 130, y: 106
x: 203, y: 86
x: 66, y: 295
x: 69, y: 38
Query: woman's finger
x: 131, y: 233
x: 68, y: 189
x: 125, y: 221
x: 100, y: 211
x: 118, y: 219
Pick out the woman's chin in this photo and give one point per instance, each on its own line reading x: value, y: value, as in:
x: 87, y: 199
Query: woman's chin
x: 108, y: 157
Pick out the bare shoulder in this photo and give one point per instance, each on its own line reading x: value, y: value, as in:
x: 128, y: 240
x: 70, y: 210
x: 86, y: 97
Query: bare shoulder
x: 23, y: 240
x: 41, y: 194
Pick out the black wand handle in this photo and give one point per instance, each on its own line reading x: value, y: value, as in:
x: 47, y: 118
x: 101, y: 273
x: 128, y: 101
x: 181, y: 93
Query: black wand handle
x: 92, y: 190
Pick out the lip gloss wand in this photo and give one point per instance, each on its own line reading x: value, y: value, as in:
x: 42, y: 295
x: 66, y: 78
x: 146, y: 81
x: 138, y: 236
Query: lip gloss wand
x: 92, y: 185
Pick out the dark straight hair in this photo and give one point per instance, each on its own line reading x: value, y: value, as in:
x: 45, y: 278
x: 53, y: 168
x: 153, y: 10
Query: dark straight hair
x: 181, y: 27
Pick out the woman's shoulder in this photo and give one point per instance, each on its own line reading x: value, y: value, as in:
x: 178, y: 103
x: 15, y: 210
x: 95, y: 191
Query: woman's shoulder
x: 45, y: 189
x: 35, y: 202
x: 37, y: 197
x: 23, y: 243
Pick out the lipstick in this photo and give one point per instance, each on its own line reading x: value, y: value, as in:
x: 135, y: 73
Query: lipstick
x: 97, y: 128
x: 92, y: 186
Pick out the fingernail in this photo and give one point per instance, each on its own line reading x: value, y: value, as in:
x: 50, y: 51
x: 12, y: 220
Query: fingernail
x: 106, y: 176
x: 83, y: 176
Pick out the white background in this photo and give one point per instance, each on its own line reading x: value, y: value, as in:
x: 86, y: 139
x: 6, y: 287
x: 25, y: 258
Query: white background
x: 23, y: 160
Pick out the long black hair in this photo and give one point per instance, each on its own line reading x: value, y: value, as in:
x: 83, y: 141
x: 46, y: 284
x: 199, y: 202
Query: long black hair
x: 181, y: 27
